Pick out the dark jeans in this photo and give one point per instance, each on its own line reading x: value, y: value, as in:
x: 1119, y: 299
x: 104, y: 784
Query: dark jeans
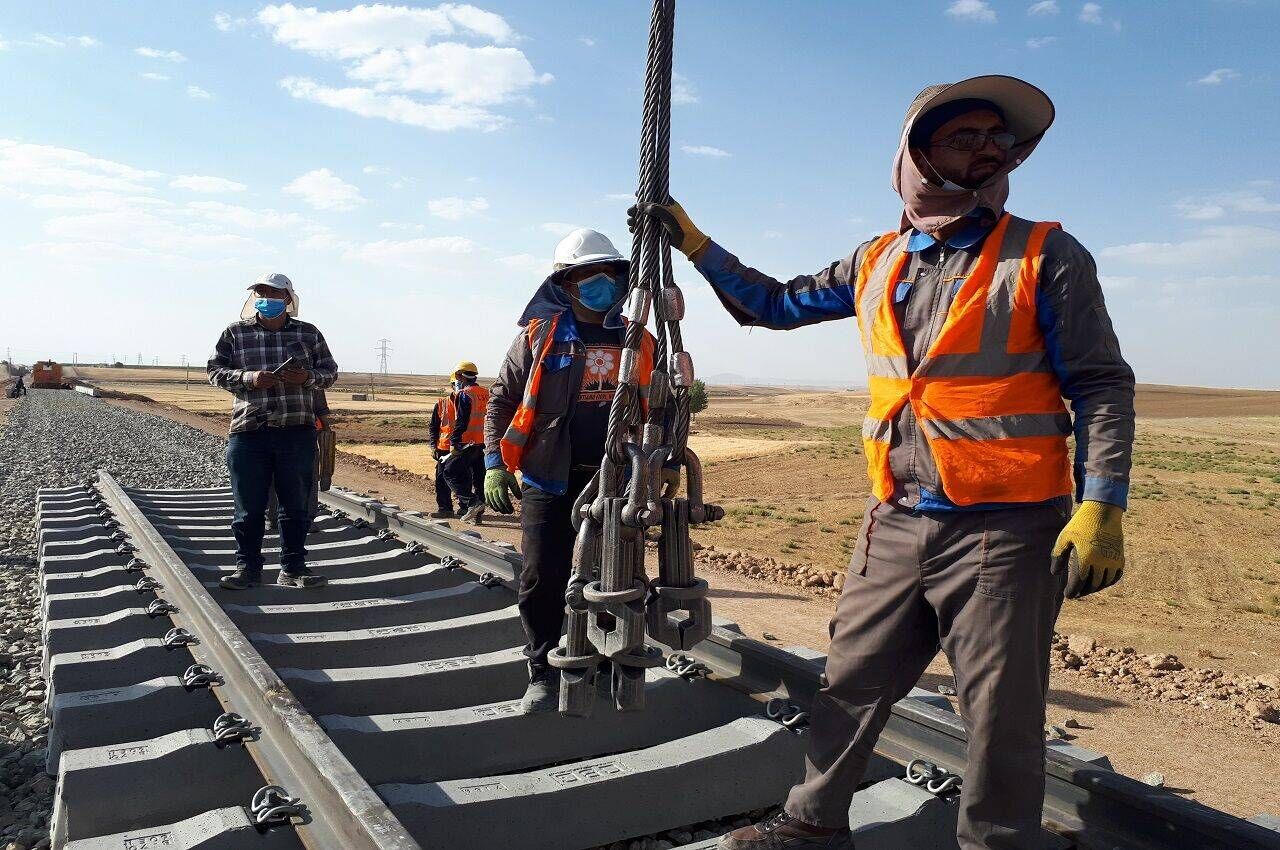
x: 285, y: 458
x: 444, y: 496
x: 547, y: 542
x: 465, y: 476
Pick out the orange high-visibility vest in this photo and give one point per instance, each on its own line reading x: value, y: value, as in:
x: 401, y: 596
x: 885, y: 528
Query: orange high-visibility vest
x: 474, y: 435
x: 985, y: 394
x: 541, y: 336
x: 448, y: 413
x: 445, y: 413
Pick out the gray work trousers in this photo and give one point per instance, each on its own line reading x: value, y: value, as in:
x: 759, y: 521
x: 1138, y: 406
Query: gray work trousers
x: 977, y: 585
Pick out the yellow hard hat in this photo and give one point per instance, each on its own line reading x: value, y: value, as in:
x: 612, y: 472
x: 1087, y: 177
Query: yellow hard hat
x: 466, y: 366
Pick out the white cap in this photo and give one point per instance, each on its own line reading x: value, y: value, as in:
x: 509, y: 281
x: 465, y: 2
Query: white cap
x: 276, y: 281
x: 583, y: 247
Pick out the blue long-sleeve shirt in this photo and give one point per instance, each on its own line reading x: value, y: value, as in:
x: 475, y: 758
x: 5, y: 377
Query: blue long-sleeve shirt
x: 1071, y: 313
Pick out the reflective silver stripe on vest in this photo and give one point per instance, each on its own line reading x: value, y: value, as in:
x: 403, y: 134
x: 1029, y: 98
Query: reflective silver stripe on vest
x: 530, y: 400
x: 876, y: 429
x: 997, y: 427
x: 872, y: 294
x: 515, y: 437
x: 1004, y: 286
x: 886, y: 365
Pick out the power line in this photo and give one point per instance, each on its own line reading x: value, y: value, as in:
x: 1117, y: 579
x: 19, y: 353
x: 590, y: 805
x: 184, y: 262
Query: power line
x: 383, y: 351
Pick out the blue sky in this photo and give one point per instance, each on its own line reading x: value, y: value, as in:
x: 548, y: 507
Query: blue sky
x: 412, y: 167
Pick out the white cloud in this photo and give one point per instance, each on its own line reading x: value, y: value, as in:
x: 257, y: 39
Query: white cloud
x: 1044, y: 7
x: 454, y: 208
x: 527, y: 263
x: 197, y: 93
x: 620, y: 196
x: 226, y: 23
x: 972, y: 10
x: 374, y: 169
x: 368, y: 103
x: 42, y: 40
x: 558, y: 228
x: 95, y: 201
x: 205, y: 184
x: 1200, y: 211
x: 586, y: 40
x: 150, y: 75
x: 1203, y: 249
x: 166, y: 55
x: 425, y: 252
x: 46, y: 166
x: 364, y: 30
x: 682, y: 90
x: 324, y: 190
x: 401, y: 225
x: 704, y: 150
x: 458, y: 73
x: 1218, y: 76
x: 407, y: 74
x: 244, y: 217
x: 1042, y: 41
x: 1091, y: 13
x: 1217, y: 206
x: 106, y: 212
x: 153, y: 233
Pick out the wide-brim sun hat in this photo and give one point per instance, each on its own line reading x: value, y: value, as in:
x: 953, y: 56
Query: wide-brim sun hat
x: 272, y: 279
x: 1028, y: 111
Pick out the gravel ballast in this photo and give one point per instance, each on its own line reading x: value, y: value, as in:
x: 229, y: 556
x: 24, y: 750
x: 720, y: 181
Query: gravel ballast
x: 58, y: 438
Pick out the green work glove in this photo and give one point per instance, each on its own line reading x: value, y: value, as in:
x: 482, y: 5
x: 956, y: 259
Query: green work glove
x: 499, y: 485
x: 1091, y: 549
x: 684, y: 235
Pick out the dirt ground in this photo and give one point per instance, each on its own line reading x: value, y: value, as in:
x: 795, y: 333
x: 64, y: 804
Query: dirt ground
x: 1202, y: 582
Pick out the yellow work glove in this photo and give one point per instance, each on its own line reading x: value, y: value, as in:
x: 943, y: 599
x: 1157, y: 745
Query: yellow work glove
x: 684, y: 235
x: 1091, y: 549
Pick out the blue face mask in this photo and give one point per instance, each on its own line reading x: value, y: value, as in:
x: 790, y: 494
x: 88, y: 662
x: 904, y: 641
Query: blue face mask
x: 598, y: 292
x: 269, y: 308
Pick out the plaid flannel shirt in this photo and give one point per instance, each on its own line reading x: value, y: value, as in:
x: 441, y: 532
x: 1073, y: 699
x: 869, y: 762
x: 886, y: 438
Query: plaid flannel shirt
x: 246, y: 347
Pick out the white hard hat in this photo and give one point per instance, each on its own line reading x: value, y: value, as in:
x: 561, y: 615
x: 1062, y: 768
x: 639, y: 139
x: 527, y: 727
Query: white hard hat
x: 584, y: 246
x: 276, y: 281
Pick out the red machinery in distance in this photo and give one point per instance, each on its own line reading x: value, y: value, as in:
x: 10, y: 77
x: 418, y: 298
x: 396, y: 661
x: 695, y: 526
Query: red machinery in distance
x: 46, y: 374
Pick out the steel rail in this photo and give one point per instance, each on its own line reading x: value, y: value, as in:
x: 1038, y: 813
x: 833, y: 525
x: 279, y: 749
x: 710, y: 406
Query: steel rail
x: 1096, y: 808
x: 292, y: 750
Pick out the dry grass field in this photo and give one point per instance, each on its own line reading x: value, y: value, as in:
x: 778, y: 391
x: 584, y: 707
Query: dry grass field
x: 1203, y: 529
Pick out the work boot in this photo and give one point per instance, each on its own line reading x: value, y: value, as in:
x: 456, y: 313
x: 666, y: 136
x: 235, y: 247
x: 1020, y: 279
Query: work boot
x: 783, y: 832
x: 241, y: 579
x: 303, y: 578
x: 442, y: 514
x: 474, y: 514
x: 543, y: 693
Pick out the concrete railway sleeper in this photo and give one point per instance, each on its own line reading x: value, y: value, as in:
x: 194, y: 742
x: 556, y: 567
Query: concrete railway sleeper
x: 383, y: 710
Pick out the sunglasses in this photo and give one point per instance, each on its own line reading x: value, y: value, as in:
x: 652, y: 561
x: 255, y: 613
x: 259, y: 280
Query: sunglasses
x: 972, y: 140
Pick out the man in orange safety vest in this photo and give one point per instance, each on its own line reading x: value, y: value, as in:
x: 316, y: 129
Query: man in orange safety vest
x: 975, y: 324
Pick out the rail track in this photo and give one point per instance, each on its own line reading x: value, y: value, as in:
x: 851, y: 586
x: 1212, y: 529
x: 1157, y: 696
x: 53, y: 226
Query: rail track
x: 382, y: 711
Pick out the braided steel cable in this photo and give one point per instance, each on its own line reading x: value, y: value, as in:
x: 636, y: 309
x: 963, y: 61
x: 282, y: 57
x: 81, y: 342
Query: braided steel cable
x: 610, y: 602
